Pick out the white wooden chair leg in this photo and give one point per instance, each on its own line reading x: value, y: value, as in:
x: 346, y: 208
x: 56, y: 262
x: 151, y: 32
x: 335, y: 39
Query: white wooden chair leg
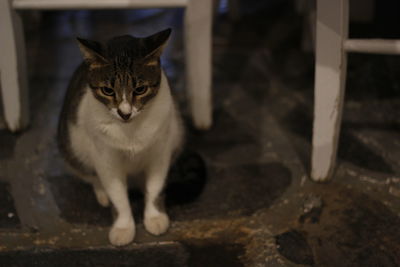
x: 198, y: 33
x: 330, y: 76
x: 13, y: 68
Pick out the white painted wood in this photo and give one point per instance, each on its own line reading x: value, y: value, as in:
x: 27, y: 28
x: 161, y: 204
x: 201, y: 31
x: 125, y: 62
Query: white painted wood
x: 198, y: 30
x: 330, y: 76
x: 376, y: 46
x: 13, y: 68
x: 96, y: 4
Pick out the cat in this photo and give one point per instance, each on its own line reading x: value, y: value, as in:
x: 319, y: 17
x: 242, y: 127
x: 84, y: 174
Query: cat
x: 119, y: 120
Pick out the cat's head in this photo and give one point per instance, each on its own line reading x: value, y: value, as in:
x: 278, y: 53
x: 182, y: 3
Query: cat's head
x: 125, y: 73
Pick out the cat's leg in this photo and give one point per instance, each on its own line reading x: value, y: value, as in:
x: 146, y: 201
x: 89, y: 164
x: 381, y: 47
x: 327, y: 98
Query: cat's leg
x: 113, y: 180
x: 98, y: 189
x: 100, y: 193
x: 156, y: 220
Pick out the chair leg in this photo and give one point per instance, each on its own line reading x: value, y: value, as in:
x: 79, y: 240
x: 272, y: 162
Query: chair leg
x: 330, y: 77
x: 198, y: 33
x: 13, y: 68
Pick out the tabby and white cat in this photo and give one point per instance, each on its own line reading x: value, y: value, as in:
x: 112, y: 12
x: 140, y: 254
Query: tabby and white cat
x: 119, y: 120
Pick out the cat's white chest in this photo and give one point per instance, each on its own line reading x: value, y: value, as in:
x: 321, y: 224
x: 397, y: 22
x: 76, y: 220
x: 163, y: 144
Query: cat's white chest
x: 157, y: 128
x: 127, y: 137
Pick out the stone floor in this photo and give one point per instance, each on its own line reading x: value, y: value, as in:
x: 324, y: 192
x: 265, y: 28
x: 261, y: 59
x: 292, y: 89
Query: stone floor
x: 240, y: 195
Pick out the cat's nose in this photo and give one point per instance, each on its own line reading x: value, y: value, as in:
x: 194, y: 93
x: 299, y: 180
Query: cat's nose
x: 124, y: 116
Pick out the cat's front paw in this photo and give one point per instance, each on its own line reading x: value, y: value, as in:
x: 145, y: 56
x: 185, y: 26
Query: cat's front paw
x: 156, y: 224
x: 120, y: 236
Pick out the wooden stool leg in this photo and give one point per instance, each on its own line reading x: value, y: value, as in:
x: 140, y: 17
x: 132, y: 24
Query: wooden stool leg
x: 13, y: 68
x: 198, y: 34
x: 330, y: 77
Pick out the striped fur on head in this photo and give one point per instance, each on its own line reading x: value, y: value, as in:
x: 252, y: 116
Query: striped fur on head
x: 125, y: 73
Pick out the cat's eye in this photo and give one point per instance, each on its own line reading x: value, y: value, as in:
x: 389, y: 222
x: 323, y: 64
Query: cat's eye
x: 107, y: 91
x: 140, y: 90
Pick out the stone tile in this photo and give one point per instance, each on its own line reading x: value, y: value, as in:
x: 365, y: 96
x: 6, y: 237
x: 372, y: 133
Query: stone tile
x: 236, y: 191
x: 352, y: 230
x: 77, y: 202
x: 8, y: 215
x: 167, y: 255
x: 7, y: 144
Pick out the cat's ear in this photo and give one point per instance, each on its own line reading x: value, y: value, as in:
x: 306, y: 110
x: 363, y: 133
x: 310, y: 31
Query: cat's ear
x: 91, y: 52
x: 155, y: 44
